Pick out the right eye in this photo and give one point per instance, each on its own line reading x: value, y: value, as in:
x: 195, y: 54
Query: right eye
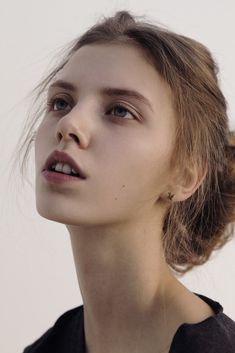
x: 54, y: 101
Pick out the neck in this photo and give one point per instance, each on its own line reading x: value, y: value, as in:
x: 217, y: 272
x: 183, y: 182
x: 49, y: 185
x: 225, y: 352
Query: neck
x: 126, y: 287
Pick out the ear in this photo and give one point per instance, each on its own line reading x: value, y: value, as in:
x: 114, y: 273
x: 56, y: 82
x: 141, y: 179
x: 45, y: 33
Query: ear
x: 188, y: 181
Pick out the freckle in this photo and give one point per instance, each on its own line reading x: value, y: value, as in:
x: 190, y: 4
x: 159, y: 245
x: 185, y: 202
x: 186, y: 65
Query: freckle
x: 115, y: 198
x: 123, y: 185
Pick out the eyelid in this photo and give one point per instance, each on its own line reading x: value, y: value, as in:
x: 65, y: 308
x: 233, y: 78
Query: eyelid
x: 51, y: 100
x: 125, y: 106
x: 60, y: 95
x: 69, y: 100
x: 64, y: 91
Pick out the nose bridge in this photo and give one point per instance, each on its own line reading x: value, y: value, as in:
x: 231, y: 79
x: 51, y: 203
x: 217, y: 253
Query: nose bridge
x: 79, y: 112
x: 86, y: 107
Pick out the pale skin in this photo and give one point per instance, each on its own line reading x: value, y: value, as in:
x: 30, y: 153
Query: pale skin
x: 132, y: 301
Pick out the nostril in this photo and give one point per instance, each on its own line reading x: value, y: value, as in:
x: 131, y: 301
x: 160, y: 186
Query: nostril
x: 74, y: 137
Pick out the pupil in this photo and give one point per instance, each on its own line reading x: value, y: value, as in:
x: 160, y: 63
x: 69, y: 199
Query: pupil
x: 60, y: 102
x: 121, y: 110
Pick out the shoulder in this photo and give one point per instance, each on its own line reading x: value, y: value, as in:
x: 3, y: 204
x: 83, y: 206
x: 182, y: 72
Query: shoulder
x: 213, y: 335
x: 57, y: 336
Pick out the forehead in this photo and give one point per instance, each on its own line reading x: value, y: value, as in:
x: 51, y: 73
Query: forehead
x: 116, y: 55
x: 119, y: 65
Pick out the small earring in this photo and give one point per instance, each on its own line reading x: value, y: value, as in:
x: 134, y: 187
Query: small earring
x: 170, y: 195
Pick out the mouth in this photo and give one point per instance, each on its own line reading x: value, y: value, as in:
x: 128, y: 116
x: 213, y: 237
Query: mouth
x: 62, y: 163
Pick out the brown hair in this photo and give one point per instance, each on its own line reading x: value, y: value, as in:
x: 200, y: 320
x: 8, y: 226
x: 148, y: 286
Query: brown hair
x: 192, y: 228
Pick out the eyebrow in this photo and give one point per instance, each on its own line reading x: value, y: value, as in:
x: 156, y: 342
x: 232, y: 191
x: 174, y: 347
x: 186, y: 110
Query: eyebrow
x: 108, y: 91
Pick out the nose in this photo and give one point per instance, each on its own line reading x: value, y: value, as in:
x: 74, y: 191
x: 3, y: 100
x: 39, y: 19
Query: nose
x: 69, y: 127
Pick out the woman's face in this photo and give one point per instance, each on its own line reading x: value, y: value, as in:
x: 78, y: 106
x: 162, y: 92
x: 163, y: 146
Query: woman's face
x: 125, y: 151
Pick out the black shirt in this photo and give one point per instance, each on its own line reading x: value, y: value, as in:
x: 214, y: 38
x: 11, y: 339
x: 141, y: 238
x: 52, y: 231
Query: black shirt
x: 215, y: 334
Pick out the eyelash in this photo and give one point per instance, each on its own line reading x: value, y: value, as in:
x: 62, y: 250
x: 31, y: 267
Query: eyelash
x: 52, y: 101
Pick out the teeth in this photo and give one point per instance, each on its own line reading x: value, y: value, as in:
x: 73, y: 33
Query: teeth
x: 63, y: 168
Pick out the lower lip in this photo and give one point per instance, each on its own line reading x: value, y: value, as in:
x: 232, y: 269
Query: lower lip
x: 59, y: 177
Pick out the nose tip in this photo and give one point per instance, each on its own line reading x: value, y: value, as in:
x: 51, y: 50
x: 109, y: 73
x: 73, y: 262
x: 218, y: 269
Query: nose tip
x: 70, y: 129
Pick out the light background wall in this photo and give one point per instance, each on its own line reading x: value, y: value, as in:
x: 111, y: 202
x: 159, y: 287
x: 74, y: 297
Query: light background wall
x: 37, y: 274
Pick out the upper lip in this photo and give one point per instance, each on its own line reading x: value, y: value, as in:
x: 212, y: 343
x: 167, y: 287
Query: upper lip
x: 63, y: 157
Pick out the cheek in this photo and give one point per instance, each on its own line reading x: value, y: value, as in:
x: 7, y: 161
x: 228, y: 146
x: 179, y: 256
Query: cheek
x: 131, y: 176
x: 149, y: 169
x: 43, y: 130
x: 41, y: 145
x: 150, y: 159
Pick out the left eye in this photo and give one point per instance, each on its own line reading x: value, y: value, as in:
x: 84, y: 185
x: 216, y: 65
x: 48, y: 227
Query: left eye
x: 120, y: 109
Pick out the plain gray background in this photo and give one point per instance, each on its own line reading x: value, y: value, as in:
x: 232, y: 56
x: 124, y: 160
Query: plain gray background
x: 38, y: 278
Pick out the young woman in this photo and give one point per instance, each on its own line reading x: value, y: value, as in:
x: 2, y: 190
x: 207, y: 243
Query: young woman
x: 134, y: 155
